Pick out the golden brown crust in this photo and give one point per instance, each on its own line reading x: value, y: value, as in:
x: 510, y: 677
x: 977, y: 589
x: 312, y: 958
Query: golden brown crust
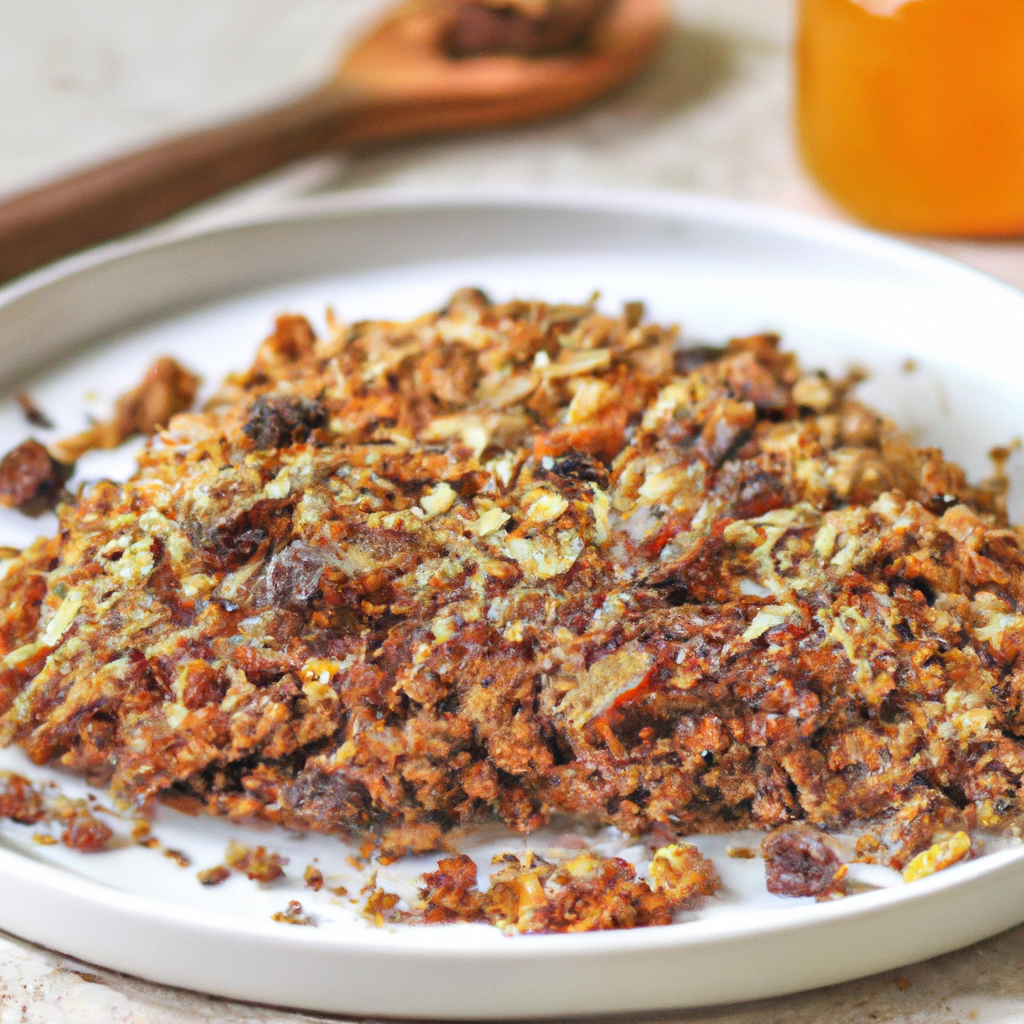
x: 522, y: 559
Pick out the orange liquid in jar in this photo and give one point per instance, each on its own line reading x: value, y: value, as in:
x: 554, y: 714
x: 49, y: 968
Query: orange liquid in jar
x: 911, y: 116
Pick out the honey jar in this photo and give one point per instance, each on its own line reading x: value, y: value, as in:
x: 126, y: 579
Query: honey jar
x: 910, y: 113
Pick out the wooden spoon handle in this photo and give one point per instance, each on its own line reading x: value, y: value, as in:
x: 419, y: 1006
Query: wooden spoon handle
x: 143, y: 187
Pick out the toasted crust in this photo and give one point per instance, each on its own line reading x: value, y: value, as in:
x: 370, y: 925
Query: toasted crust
x: 525, y: 559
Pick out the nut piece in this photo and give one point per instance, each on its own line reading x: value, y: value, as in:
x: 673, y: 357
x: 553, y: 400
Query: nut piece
x: 814, y: 392
x: 491, y: 520
x: 438, y: 499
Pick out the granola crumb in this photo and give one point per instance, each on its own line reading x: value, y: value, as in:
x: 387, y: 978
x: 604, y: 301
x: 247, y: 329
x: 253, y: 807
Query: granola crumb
x: 258, y: 864
x: 381, y: 906
x: 292, y: 914
x: 530, y: 894
x: 166, y: 388
x: 939, y: 856
x: 213, y: 876
x: 20, y: 800
x: 682, y: 874
x: 84, y: 832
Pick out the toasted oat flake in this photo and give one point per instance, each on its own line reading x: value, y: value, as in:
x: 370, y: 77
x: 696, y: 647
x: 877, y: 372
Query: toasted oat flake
x: 938, y: 856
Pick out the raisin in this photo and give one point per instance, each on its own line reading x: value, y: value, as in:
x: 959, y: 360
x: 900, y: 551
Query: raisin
x: 798, y: 862
x: 577, y: 466
x: 31, y: 480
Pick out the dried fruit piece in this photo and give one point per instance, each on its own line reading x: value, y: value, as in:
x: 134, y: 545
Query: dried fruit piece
x: 276, y: 421
x: 798, y: 862
x: 31, y: 480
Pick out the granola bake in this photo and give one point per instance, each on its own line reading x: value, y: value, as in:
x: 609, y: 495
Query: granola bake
x: 512, y: 561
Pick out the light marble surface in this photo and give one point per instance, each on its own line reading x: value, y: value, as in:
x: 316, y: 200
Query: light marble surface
x: 80, y: 80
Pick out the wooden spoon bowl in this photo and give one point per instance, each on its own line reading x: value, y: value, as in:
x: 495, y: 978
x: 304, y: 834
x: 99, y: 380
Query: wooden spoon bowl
x: 398, y: 82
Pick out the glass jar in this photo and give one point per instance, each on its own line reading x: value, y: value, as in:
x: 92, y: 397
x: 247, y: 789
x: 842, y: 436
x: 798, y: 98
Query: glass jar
x: 910, y: 113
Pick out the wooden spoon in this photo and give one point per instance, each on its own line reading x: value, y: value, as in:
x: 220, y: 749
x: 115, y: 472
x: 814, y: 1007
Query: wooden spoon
x: 398, y: 82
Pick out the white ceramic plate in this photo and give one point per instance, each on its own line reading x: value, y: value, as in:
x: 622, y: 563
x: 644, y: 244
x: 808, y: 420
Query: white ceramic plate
x: 944, y: 346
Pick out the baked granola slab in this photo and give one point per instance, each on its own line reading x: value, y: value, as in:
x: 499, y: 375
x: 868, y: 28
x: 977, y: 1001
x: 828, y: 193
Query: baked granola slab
x: 525, y: 559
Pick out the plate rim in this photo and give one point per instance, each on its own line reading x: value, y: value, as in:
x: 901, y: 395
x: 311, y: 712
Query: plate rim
x: 678, y: 205
x: 416, y: 943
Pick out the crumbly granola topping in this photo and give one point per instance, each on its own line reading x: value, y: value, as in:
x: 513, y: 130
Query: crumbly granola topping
x: 512, y: 560
x: 529, y: 894
x: 30, y: 804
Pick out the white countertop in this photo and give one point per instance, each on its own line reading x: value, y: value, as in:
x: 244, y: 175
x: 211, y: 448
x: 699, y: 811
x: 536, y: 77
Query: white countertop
x: 85, y: 80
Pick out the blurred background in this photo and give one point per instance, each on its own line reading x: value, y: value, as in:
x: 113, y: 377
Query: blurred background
x: 85, y: 81
x: 714, y: 113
